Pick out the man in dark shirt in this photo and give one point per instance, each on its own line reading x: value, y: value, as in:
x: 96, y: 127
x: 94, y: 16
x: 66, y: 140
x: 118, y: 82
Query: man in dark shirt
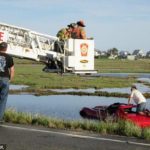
x: 6, y: 75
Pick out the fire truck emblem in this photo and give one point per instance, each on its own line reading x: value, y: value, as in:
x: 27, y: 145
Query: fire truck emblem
x: 84, y: 49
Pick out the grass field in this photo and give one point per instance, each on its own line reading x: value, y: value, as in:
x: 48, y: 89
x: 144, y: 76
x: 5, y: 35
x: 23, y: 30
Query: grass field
x: 123, y: 65
x: 30, y: 73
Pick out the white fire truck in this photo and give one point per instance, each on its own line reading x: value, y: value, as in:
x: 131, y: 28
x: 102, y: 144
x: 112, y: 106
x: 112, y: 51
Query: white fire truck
x: 73, y: 55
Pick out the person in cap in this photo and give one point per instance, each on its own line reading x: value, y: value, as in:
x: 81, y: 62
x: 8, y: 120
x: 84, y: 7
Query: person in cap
x: 71, y: 27
x: 6, y: 75
x: 138, y: 98
x: 65, y: 33
x: 79, y: 32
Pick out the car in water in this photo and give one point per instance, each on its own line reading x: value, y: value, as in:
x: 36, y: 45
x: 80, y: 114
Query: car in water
x: 117, y: 111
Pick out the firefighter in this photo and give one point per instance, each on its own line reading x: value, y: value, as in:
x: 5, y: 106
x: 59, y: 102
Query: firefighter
x: 65, y: 33
x: 73, y: 33
x: 78, y: 32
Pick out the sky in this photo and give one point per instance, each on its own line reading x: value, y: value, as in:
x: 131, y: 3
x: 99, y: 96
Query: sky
x: 121, y: 24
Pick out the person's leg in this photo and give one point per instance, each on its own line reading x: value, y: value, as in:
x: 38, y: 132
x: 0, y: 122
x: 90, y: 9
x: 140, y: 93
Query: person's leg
x: 141, y: 108
x: 4, y: 89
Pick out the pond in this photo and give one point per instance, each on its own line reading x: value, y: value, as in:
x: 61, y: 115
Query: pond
x: 17, y: 87
x: 59, y: 106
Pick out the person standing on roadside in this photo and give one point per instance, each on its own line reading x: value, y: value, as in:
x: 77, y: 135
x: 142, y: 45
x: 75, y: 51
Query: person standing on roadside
x: 139, y: 99
x: 6, y: 75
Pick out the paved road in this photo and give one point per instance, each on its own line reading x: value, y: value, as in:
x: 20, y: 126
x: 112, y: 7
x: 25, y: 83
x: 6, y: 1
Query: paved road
x: 19, y: 137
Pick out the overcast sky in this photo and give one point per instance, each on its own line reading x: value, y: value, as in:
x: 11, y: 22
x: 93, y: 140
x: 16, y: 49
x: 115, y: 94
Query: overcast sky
x: 123, y: 24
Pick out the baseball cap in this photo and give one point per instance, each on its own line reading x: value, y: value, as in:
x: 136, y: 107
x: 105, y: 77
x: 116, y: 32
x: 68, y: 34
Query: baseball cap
x: 133, y: 87
x: 81, y: 23
x: 72, y: 25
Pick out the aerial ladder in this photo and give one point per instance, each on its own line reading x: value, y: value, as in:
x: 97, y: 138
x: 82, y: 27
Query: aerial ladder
x: 74, y: 55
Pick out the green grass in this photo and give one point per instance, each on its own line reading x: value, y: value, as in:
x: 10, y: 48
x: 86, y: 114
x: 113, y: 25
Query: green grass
x: 118, y: 128
x: 146, y: 134
x: 32, y: 75
x: 122, y: 66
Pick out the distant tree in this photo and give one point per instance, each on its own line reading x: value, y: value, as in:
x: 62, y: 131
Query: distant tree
x: 113, y: 51
x: 148, y: 54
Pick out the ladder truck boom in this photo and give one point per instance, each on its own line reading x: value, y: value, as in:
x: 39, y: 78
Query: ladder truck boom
x: 73, y: 55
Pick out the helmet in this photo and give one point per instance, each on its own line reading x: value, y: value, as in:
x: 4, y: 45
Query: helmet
x: 81, y: 23
x: 72, y: 25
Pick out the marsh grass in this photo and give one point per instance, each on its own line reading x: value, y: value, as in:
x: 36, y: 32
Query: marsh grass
x: 146, y: 134
x: 39, y: 82
x: 119, y: 128
x: 128, y: 129
x: 30, y: 73
x: 123, y: 65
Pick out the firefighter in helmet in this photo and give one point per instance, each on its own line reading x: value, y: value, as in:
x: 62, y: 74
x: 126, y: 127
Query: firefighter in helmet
x: 65, y: 33
x: 78, y: 32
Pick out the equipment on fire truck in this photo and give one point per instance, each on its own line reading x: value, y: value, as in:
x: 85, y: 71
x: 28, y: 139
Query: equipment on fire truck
x: 74, y: 55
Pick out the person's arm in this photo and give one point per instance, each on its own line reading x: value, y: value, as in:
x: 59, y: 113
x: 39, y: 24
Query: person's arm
x: 12, y: 72
x: 129, y: 100
x: 130, y: 97
x: 83, y: 34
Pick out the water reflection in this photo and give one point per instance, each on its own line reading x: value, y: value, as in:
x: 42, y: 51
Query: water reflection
x: 17, y: 87
x: 59, y: 106
x: 144, y: 79
x: 141, y: 87
x: 123, y: 75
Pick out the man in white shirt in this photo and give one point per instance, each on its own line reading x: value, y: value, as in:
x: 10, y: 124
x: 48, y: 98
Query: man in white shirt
x: 139, y: 99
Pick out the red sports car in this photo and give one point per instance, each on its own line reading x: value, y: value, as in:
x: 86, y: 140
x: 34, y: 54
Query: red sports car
x: 117, y: 110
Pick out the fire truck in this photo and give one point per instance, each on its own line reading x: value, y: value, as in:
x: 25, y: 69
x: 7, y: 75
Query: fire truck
x: 73, y: 56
